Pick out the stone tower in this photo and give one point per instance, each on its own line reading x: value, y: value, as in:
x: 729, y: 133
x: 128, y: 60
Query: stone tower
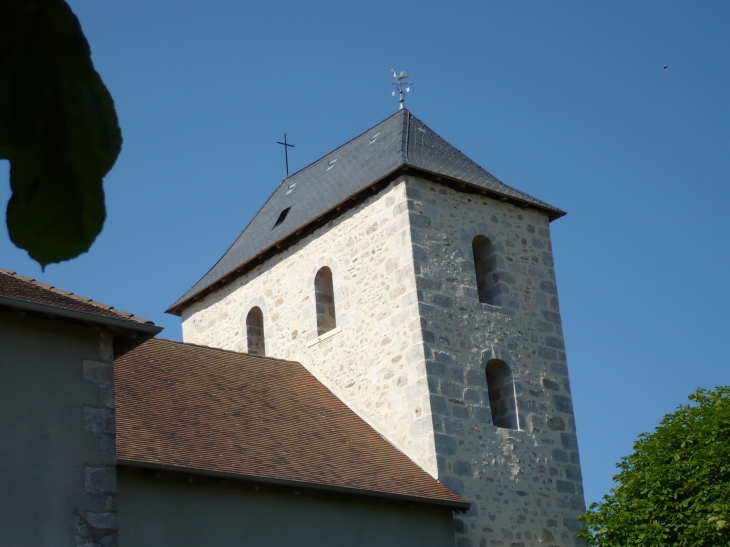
x: 420, y: 290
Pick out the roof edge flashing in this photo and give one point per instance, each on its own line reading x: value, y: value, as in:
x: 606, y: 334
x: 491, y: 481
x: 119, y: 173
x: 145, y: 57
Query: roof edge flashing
x: 126, y: 334
x: 147, y: 328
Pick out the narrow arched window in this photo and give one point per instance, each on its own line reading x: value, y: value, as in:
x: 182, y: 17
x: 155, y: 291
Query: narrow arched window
x: 325, y: 299
x: 485, y: 266
x: 501, y: 394
x: 255, y: 331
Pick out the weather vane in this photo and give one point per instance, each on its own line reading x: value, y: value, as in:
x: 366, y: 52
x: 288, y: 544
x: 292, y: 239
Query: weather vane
x: 399, y: 85
x: 286, y: 146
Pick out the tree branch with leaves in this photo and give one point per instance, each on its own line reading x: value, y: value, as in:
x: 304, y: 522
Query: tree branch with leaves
x: 58, y: 128
x: 675, y: 488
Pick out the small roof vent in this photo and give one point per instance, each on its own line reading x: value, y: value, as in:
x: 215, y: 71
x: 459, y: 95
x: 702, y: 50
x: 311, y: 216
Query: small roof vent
x: 282, y: 217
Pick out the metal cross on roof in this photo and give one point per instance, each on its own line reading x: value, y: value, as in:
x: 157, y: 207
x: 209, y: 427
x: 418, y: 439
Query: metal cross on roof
x: 286, y: 146
x: 399, y: 85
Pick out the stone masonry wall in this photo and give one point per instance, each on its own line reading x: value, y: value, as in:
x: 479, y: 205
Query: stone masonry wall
x: 96, y: 520
x: 57, y: 433
x: 525, y: 485
x: 411, y: 355
x: 375, y: 364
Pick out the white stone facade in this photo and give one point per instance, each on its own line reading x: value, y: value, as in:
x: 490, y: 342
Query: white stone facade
x: 375, y: 364
x: 411, y: 355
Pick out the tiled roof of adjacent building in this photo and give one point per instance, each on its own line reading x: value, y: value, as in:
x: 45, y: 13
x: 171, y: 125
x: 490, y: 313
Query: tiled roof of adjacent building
x: 221, y: 412
x: 18, y: 289
x: 401, y: 140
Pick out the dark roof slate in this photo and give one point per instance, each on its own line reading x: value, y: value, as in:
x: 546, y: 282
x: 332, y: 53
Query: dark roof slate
x: 19, y: 288
x: 222, y: 412
x: 399, y: 140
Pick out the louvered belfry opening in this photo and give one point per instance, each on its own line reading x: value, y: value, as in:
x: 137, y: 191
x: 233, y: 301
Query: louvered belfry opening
x: 501, y: 394
x: 255, y: 331
x: 325, y: 300
x: 485, y: 266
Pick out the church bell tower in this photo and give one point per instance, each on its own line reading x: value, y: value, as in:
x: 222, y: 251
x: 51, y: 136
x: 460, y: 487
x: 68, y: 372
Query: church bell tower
x: 421, y: 291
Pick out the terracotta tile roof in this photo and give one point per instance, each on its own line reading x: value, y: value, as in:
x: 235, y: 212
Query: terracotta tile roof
x: 25, y: 289
x: 207, y: 409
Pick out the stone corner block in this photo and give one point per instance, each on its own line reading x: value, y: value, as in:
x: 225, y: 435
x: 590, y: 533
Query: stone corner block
x: 106, y: 346
x: 99, y: 420
x: 103, y: 521
x: 98, y: 372
x: 100, y: 479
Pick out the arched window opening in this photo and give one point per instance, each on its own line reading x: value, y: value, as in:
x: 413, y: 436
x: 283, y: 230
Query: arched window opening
x: 485, y: 266
x: 501, y: 394
x: 255, y: 331
x: 325, y: 299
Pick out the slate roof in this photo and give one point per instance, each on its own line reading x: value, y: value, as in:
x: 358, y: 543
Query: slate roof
x: 399, y: 140
x: 16, y: 289
x: 203, y: 409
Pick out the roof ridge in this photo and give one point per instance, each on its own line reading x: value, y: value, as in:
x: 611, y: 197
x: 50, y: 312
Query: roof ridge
x: 404, y: 135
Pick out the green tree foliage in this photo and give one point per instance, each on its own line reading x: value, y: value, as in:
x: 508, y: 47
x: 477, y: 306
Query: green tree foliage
x: 675, y: 488
x: 58, y: 128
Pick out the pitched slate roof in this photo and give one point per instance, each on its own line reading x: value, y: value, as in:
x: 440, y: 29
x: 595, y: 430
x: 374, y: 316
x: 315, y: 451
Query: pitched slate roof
x: 208, y: 410
x: 16, y: 289
x: 399, y: 140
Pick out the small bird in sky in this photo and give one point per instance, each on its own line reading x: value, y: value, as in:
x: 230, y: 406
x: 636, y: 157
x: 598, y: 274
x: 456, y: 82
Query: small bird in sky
x: 666, y: 67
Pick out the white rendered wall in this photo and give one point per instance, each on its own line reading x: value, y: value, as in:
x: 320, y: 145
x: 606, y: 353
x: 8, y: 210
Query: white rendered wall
x: 376, y: 363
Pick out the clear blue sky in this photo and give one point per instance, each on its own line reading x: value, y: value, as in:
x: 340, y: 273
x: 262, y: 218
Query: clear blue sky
x: 567, y: 101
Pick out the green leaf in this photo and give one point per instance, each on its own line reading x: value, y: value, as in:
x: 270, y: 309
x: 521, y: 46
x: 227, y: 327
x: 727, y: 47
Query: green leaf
x: 58, y: 128
x: 675, y: 488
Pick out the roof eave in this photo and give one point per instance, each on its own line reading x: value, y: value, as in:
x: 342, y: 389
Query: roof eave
x: 136, y: 333
x: 458, y: 184
x: 455, y: 505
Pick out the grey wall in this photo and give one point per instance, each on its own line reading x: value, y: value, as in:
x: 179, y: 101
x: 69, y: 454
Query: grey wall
x: 170, y: 511
x: 525, y: 484
x: 48, y: 447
